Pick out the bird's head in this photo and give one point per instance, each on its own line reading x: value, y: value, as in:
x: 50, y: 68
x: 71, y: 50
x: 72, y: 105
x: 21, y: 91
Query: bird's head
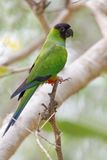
x: 64, y: 30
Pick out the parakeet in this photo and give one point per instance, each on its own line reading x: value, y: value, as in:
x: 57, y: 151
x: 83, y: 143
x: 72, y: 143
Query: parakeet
x: 50, y: 61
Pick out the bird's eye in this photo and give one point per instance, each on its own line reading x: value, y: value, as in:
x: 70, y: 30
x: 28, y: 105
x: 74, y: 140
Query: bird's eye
x: 62, y: 29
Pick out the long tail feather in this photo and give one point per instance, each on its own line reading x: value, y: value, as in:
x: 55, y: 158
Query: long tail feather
x: 17, y: 90
x: 28, y: 94
x: 11, y: 123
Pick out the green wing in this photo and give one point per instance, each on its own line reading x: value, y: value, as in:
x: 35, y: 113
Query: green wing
x: 51, y: 60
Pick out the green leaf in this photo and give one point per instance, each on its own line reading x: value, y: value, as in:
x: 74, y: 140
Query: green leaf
x: 4, y: 71
x: 80, y: 130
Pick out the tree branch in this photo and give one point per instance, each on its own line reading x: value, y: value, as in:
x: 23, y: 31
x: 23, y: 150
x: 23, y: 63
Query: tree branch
x: 14, y: 71
x: 38, y: 9
x: 99, y: 14
x: 50, y: 112
x: 82, y: 71
x: 27, y: 51
x: 57, y: 134
x: 64, y: 16
x: 49, y: 115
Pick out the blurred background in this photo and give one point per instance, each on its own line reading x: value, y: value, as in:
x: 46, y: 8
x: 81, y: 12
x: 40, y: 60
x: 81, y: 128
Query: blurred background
x: 83, y: 117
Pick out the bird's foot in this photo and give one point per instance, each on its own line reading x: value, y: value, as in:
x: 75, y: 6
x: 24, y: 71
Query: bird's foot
x: 54, y: 103
x: 49, y: 110
x: 45, y: 113
x: 61, y: 80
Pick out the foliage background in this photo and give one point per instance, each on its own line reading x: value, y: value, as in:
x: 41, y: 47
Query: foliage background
x: 83, y: 117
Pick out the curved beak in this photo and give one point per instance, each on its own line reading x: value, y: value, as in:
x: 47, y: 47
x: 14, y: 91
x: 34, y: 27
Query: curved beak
x: 69, y: 32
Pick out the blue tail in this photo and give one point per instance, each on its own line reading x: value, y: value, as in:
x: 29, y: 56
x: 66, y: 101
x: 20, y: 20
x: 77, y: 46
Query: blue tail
x: 28, y: 94
x: 11, y: 123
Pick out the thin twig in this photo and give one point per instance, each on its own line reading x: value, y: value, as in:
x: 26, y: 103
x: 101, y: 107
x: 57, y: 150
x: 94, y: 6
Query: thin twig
x: 49, y: 113
x: 46, y: 121
x: 46, y: 140
x: 57, y: 134
x: 25, y: 52
x: 52, y: 103
x: 52, y: 108
x: 41, y: 146
x: 14, y: 71
x: 43, y: 22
